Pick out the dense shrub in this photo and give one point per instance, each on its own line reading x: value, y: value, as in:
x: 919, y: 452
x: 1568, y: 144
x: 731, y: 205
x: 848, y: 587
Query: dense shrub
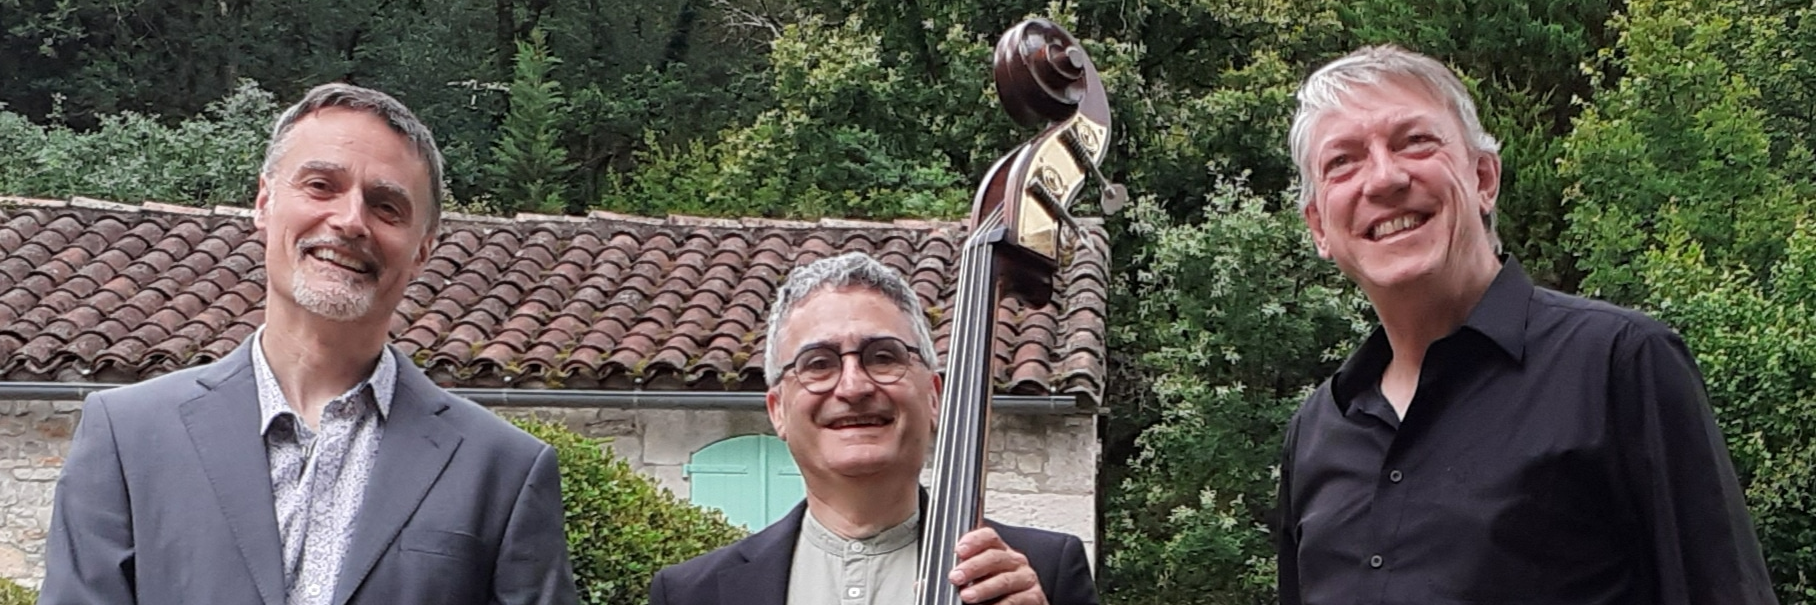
x: 14, y: 594
x: 206, y: 160
x: 1755, y: 341
x: 1233, y: 318
x: 1685, y: 206
x: 621, y: 526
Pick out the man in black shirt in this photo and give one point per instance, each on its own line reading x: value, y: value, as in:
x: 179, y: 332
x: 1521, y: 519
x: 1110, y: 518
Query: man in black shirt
x: 1491, y: 442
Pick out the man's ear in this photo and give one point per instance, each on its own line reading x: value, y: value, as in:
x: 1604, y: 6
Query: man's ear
x: 778, y: 417
x: 261, y: 204
x: 1488, y: 180
x: 426, y: 248
x: 1315, y: 221
x: 938, y: 388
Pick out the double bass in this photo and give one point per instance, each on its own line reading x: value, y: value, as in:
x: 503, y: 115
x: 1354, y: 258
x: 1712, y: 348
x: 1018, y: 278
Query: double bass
x: 1019, y: 226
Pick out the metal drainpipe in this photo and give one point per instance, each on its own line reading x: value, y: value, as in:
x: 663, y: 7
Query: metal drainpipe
x: 1056, y: 404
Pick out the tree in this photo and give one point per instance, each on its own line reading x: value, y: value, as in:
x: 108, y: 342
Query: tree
x: 1238, y: 319
x: 1754, y: 336
x: 528, y: 163
x: 1682, y: 202
x: 854, y: 131
x: 1684, y: 129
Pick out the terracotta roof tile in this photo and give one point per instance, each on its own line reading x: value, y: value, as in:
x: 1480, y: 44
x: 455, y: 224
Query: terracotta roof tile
x: 99, y: 291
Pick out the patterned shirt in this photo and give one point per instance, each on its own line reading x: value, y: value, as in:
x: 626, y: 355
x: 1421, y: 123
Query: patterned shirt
x: 830, y: 569
x: 318, y: 476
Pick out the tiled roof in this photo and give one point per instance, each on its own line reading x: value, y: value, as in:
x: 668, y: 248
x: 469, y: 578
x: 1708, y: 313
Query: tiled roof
x: 102, y: 292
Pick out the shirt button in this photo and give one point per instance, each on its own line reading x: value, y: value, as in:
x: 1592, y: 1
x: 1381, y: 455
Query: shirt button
x: 1375, y: 561
x: 857, y: 548
x: 854, y: 592
x: 1394, y: 476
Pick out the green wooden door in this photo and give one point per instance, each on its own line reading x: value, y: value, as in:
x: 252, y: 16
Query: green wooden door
x: 752, y: 478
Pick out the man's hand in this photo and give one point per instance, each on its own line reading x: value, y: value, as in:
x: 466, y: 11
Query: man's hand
x: 988, y: 570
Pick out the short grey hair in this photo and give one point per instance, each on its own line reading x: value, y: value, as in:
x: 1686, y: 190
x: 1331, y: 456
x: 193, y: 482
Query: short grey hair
x: 400, y: 118
x: 1329, y: 87
x: 851, y: 270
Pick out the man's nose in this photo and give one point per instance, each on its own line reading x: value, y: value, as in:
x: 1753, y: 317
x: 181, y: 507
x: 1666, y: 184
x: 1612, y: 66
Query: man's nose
x: 1384, y: 176
x: 854, y: 381
x: 348, y: 215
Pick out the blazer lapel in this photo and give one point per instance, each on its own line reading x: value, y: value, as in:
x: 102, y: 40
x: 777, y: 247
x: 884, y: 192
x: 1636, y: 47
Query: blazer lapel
x: 415, y: 449
x: 223, y: 425
x: 768, y: 556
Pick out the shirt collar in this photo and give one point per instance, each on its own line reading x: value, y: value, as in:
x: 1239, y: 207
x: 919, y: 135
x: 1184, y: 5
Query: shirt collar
x: 382, y: 382
x: 895, y: 538
x: 1500, y: 316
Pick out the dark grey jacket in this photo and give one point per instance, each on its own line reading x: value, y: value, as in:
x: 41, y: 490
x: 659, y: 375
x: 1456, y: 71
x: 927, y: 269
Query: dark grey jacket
x: 166, y: 500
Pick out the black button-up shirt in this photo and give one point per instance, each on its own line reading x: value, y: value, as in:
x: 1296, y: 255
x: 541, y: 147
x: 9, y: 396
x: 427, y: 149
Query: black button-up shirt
x: 1557, y: 450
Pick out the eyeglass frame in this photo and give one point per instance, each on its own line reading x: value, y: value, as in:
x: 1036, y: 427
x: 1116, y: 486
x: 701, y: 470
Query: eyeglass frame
x: 833, y: 384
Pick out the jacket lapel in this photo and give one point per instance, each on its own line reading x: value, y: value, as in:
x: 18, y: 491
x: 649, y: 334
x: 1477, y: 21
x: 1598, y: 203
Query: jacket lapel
x: 415, y: 449
x: 223, y: 425
x: 768, y: 557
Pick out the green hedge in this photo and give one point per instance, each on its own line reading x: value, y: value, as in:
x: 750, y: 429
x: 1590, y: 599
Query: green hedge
x: 14, y: 594
x: 621, y: 526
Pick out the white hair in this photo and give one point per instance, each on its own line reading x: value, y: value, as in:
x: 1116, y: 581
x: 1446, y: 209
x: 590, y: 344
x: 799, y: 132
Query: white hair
x: 1330, y: 86
x: 851, y: 270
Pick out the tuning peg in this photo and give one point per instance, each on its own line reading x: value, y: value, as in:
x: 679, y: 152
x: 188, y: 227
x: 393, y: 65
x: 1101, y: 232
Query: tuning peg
x: 1114, y: 197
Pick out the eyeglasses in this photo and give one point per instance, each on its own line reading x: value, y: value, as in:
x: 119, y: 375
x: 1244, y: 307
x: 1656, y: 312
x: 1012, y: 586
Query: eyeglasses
x: 885, y: 360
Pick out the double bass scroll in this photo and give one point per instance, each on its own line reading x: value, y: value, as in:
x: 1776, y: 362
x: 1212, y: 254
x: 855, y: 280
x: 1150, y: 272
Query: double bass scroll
x: 1020, y: 222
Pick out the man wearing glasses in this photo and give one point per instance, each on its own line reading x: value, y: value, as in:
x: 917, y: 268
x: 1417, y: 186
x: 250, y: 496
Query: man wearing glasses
x: 852, y: 390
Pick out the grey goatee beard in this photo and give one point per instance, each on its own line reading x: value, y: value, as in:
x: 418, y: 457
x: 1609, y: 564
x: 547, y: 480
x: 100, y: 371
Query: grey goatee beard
x: 342, y: 296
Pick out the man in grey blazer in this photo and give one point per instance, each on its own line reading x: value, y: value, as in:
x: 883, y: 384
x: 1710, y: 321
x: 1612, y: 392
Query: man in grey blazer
x: 314, y: 465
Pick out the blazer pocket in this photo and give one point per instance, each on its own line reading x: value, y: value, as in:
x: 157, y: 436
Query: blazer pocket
x: 437, y: 542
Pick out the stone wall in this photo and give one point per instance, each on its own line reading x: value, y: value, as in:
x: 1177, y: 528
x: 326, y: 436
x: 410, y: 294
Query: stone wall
x: 1043, y: 469
x: 34, y: 438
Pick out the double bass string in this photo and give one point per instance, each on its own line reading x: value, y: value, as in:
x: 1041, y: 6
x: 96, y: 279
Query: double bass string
x: 958, y: 463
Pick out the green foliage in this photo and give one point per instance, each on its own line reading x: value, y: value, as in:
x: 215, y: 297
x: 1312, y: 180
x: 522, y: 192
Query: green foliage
x: 1783, y: 66
x: 1536, y: 46
x: 855, y: 131
x: 621, y: 526
x: 14, y: 594
x: 1530, y: 204
x: 1683, y: 196
x: 1210, y: 91
x: 680, y: 67
x: 205, y: 160
x: 1683, y: 128
x: 529, y: 164
x: 1754, y: 337
x: 1235, y: 317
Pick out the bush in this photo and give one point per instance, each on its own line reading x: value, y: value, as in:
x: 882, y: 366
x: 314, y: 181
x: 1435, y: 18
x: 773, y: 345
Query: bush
x: 621, y: 526
x: 202, y: 161
x: 14, y: 594
x: 1755, y: 341
x: 1229, y: 322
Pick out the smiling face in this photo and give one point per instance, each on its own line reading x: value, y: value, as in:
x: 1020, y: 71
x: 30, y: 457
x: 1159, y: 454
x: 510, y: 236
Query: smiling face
x: 347, y: 217
x: 1400, y: 193
x: 859, y: 428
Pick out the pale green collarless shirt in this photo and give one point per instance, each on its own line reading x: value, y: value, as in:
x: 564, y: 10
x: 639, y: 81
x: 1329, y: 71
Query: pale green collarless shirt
x: 830, y: 569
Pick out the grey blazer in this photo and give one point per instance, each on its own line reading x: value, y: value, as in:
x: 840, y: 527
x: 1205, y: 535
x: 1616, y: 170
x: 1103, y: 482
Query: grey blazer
x: 166, y: 500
